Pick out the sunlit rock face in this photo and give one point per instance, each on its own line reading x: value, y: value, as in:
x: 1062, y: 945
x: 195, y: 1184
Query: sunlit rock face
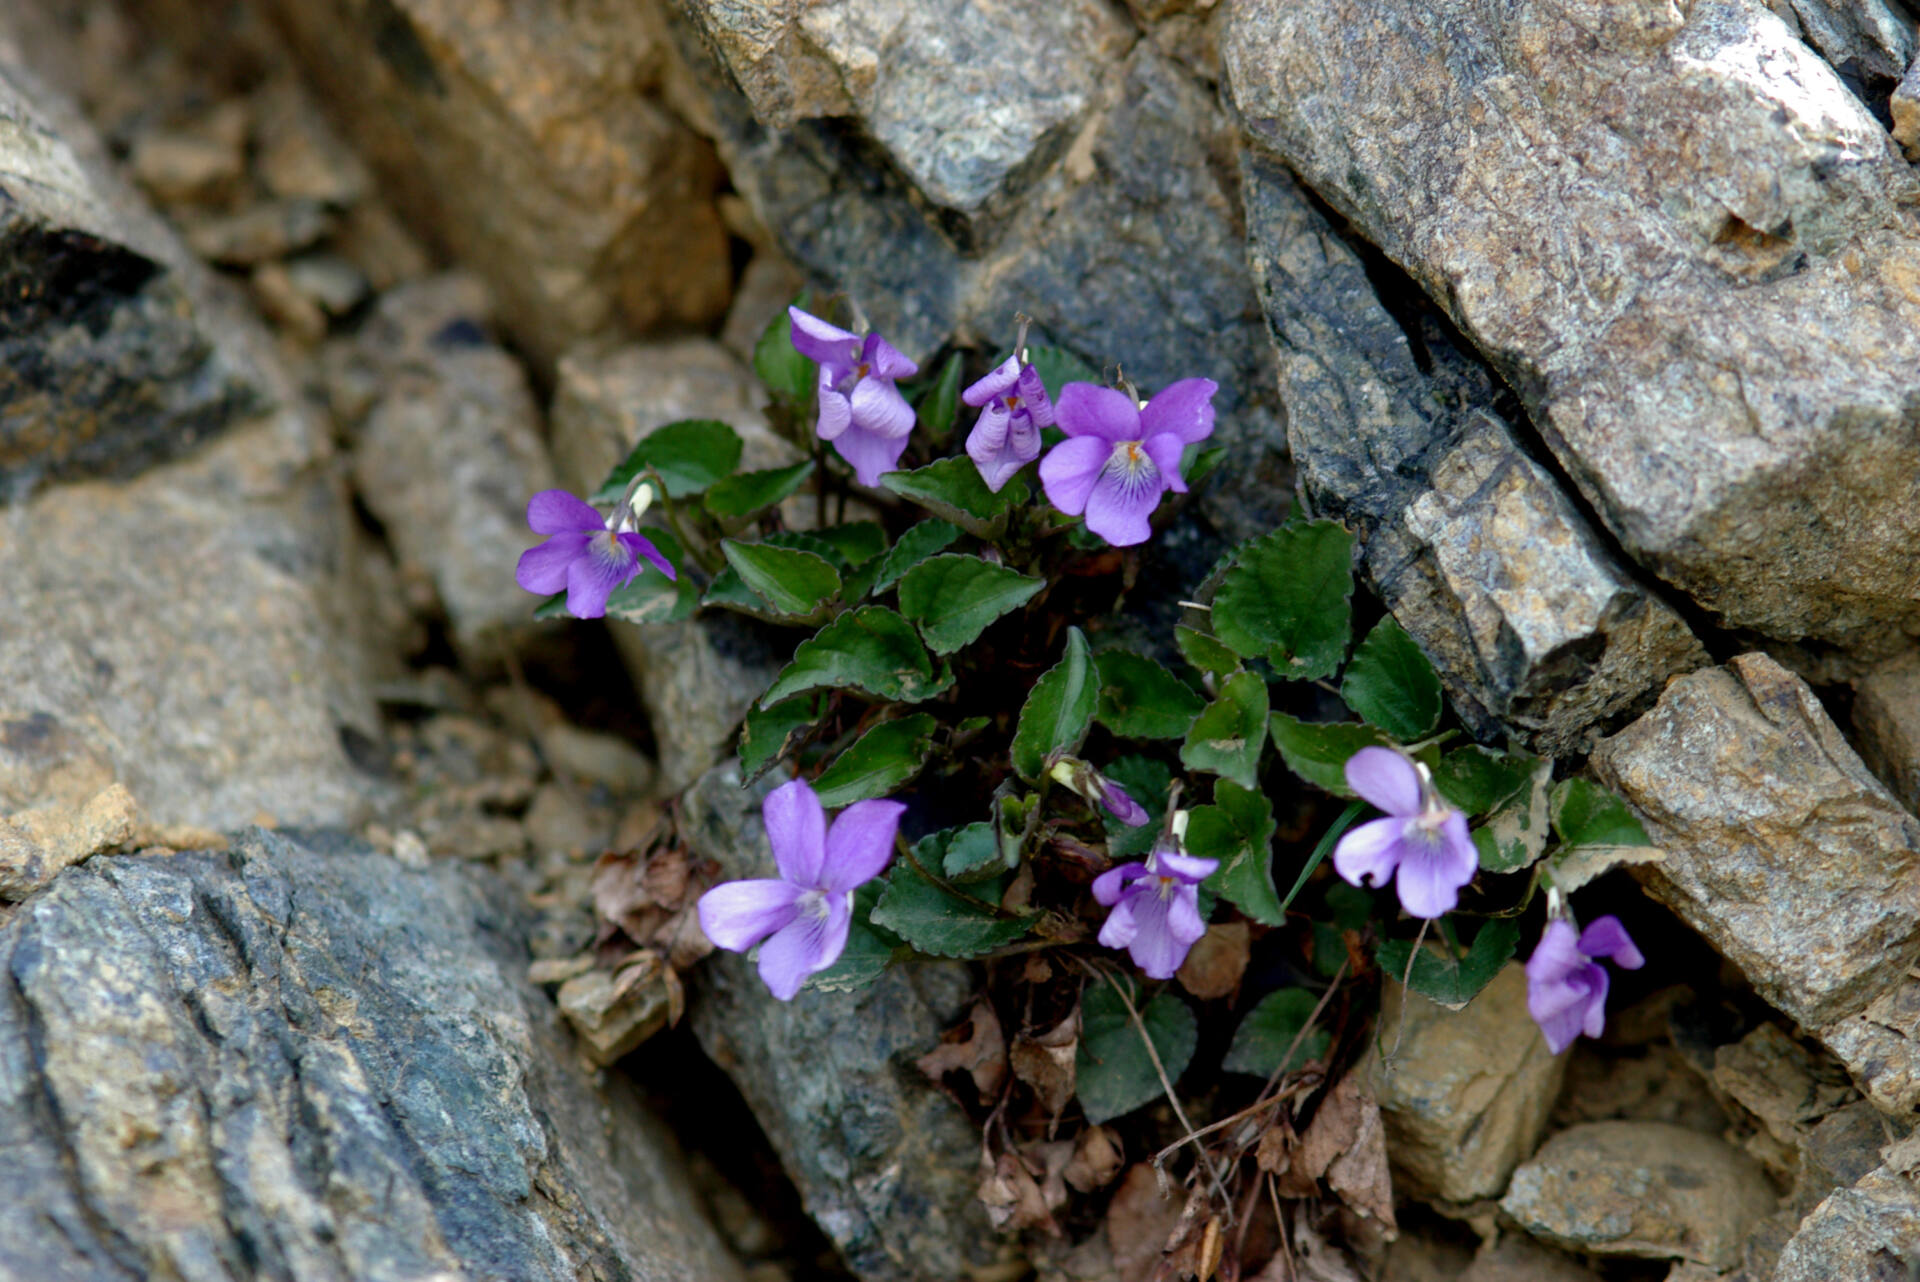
x: 1680, y: 236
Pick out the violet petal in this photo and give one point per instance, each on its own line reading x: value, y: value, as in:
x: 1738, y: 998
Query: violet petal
x: 886, y: 359
x: 805, y: 945
x: 1121, y: 926
x: 1123, y: 498
x: 879, y: 408
x: 1154, y: 948
x: 1070, y: 470
x: 1386, y: 780
x: 736, y: 915
x: 868, y: 455
x: 836, y: 413
x: 558, y: 512
x: 860, y: 844
x: 797, y: 830
x: 1184, y: 408
x: 641, y: 545
x: 592, y: 578
x: 817, y: 340
x: 1428, y: 879
x: 1087, y: 410
x: 997, y: 382
x: 1165, y: 451
x: 1033, y: 393
x: 1109, y: 885
x: 1606, y: 937
x: 543, y: 569
x: 1367, y: 855
x: 1191, y: 869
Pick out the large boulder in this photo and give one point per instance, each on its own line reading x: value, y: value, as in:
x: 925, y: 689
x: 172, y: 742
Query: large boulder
x: 1536, y: 627
x: 534, y: 143
x: 1686, y: 244
x: 306, y: 1061
x: 1787, y: 854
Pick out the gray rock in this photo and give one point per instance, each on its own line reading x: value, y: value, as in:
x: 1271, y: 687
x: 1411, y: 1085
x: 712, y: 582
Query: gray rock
x: 965, y: 96
x: 1641, y: 1188
x: 1867, y: 1233
x: 534, y: 144
x: 1792, y: 859
x: 113, y: 354
x: 1869, y: 42
x: 1538, y: 631
x: 450, y: 452
x: 1128, y: 250
x: 886, y: 1164
x: 1886, y: 725
x: 1646, y: 219
x: 1469, y: 1091
x: 305, y: 1061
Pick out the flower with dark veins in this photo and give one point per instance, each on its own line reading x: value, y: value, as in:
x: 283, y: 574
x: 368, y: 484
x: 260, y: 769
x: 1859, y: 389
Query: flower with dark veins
x: 1089, y: 784
x: 1014, y: 406
x: 862, y: 414
x: 587, y: 555
x: 1567, y: 986
x: 803, y: 915
x: 1422, y: 843
x: 1156, y: 908
x: 1121, y: 455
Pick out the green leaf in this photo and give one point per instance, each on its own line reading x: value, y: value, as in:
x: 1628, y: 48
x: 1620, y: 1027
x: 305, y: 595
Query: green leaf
x: 869, y: 951
x: 1139, y: 699
x: 1321, y: 850
x: 1288, y: 597
x: 1318, y: 751
x: 871, y: 649
x: 938, y: 404
x: 651, y: 597
x: 952, y: 490
x: 786, y: 374
x: 1515, y: 835
x: 877, y: 762
x: 939, y: 923
x: 954, y: 598
x: 1113, y: 1072
x: 1227, y: 737
x: 1585, y: 814
x: 794, y: 582
x: 809, y: 541
x: 967, y: 854
x: 1200, y: 463
x: 1439, y: 977
x: 1058, y: 710
x: 1391, y: 683
x: 689, y: 455
x: 1145, y: 780
x: 1238, y: 831
x: 1269, y: 1029
x: 554, y: 607
x: 1478, y: 780
x: 856, y: 541
x: 750, y: 491
x: 767, y: 732
x: 916, y: 545
x: 1204, y: 652
x: 1057, y: 367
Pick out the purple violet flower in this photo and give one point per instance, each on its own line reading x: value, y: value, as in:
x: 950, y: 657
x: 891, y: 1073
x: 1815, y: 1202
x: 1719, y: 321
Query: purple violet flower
x: 588, y: 555
x: 1013, y: 406
x: 1567, y: 986
x: 1422, y: 838
x: 1122, y: 456
x: 803, y: 915
x: 861, y: 412
x: 1156, y: 909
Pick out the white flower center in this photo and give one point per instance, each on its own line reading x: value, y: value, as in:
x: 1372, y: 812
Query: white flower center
x: 812, y: 903
x: 1131, y: 468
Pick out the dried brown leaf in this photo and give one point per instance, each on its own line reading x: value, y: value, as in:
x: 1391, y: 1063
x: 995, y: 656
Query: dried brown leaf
x: 1097, y: 1158
x: 1046, y: 1063
x: 1275, y: 1153
x: 980, y: 1051
x: 1138, y: 1222
x: 1347, y: 1144
x: 1050, y: 1160
x: 1215, y: 964
x: 1012, y: 1197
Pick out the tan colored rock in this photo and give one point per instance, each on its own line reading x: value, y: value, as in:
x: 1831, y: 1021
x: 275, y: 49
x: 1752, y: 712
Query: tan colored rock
x: 1643, y: 1189
x: 1868, y: 1232
x: 36, y: 844
x: 1468, y: 1092
x: 530, y: 141
x: 1688, y: 246
x: 1886, y: 725
x: 1517, y: 1259
x: 615, y: 1013
x: 1782, y: 849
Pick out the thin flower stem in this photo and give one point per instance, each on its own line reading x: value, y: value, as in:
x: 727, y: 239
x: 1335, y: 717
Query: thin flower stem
x: 697, y: 549
x: 1406, y: 982
x: 1166, y: 1083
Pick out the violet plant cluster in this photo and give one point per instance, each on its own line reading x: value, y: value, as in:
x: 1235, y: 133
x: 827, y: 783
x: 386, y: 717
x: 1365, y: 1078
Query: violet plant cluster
x: 945, y: 658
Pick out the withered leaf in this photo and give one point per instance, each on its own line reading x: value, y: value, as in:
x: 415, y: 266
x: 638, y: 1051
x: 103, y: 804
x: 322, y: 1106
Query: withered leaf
x: 1347, y: 1144
x: 1097, y: 1157
x: 1215, y: 964
x: 1046, y: 1063
x: 1012, y: 1197
x: 1138, y: 1222
x: 980, y: 1051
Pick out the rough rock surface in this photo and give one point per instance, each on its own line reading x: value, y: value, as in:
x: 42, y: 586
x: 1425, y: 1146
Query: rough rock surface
x: 1684, y: 241
x: 1535, y: 626
x: 1886, y: 725
x: 1516, y: 1258
x: 1127, y: 247
x: 1867, y: 1233
x: 449, y: 453
x: 1469, y: 1091
x: 1786, y: 853
x: 113, y: 356
x: 697, y: 677
x: 1641, y: 1188
x: 531, y: 141
x: 309, y: 1062
x: 885, y: 1163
